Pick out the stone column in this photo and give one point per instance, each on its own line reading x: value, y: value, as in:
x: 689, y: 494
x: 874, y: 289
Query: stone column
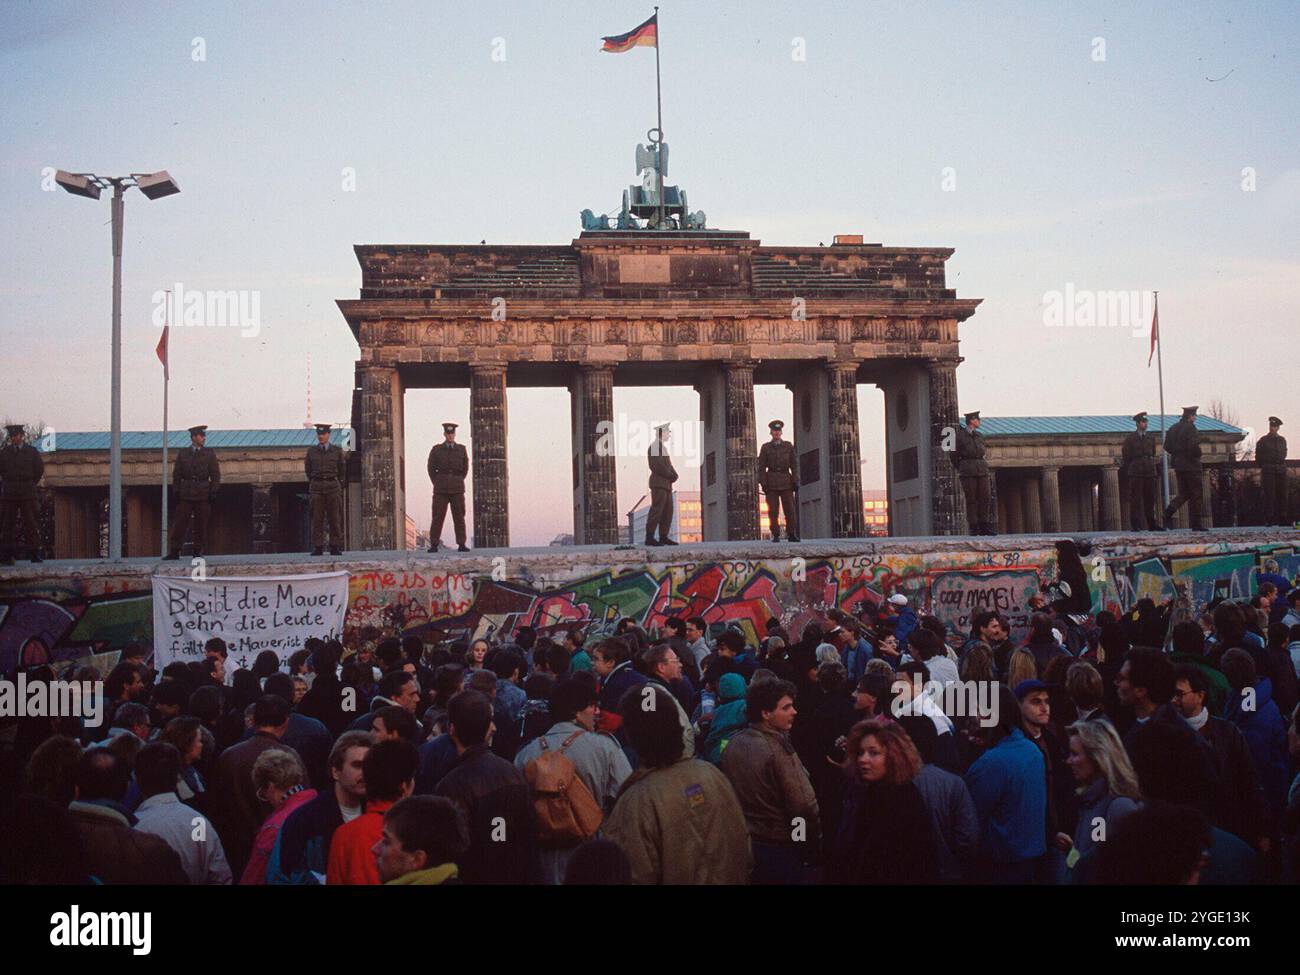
x: 381, y: 525
x: 1110, y: 508
x: 1051, y: 492
x: 1207, y: 497
x: 1010, y: 516
x: 845, y: 455
x: 1033, y: 507
x: 595, y: 494
x: 742, y: 452
x: 947, y: 507
x: 264, y: 520
x: 809, y: 432
x: 487, y: 425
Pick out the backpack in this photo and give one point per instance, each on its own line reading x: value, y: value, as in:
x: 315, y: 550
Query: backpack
x: 564, y: 808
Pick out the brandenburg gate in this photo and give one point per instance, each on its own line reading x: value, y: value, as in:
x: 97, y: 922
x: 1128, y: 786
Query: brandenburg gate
x: 642, y: 307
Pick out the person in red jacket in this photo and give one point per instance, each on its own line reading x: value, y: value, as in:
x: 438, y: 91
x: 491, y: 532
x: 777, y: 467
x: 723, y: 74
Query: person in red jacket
x: 389, y: 772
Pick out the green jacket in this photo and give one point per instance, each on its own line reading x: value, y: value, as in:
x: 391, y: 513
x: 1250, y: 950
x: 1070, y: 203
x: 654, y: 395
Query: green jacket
x: 681, y: 824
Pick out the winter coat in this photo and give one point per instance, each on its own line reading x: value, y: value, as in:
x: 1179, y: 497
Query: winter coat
x: 772, y: 786
x: 236, y: 811
x: 1009, y: 786
x: 1246, y: 813
x: 956, y: 824
x: 681, y: 824
x: 1098, y: 803
x: 492, y: 793
x: 1265, y: 733
x: 886, y: 836
x: 117, y: 854
x: 301, y: 852
x: 351, y: 858
x: 264, y: 841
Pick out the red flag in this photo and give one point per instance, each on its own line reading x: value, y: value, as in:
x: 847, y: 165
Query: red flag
x: 1155, y: 331
x: 645, y: 35
x: 162, y: 350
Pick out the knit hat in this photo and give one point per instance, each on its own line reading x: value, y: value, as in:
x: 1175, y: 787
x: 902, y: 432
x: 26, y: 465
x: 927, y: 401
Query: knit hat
x: 731, y: 687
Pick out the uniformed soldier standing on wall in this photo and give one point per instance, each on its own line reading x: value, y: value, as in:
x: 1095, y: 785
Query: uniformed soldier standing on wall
x: 21, y: 468
x: 196, y: 476
x: 662, y: 476
x: 779, y: 478
x: 1183, y: 445
x: 1139, y: 466
x: 973, y: 471
x: 448, y: 468
x: 1270, y: 452
x: 326, y: 472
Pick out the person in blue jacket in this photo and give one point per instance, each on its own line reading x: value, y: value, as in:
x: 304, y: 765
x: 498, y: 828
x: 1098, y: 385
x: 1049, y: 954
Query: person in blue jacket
x: 1008, y: 784
x: 1257, y: 716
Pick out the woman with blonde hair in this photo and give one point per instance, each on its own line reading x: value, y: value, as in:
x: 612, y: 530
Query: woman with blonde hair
x: 1020, y: 668
x: 886, y: 835
x: 1106, y: 784
x: 281, y: 782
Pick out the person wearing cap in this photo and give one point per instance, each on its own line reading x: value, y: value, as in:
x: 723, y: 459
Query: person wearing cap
x: 1139, y: 466
x: 21, y: 468
x: 326, y: 472
x: 662, y: 476
x: 1183, y: 445
x: 1270, y: 454
x: 196, y: 476
x: 779, y: 478
x: 448, y: 467
x: 973, y: 471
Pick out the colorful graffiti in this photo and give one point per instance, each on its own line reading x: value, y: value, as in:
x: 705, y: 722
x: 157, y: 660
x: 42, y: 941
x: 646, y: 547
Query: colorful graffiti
x: 59, y: 619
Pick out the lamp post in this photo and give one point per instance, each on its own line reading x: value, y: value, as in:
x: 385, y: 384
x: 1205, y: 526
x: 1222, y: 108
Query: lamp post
x: 152, y: 185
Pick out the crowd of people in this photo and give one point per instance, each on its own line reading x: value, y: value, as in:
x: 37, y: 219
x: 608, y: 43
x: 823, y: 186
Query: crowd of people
x: 1157, y: 746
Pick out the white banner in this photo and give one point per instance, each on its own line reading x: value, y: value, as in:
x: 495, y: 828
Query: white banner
x: 251, y: 614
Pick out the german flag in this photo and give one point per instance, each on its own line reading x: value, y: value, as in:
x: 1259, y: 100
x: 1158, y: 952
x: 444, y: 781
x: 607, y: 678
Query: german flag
x: 647, y: 35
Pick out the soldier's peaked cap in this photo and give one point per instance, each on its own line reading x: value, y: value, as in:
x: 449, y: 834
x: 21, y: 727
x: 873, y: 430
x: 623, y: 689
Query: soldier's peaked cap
x: 1189, y: 411
x: 447, y: 427
x: 1139, y: 417
x: 15, y: 428
x: 1274, y: 421
x: 200, y: 428
x: 973, y: 415
x: 776, y: 425
x: 323, y: 428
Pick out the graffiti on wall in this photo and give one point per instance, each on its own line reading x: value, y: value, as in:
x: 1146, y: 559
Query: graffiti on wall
x: 65, y: 619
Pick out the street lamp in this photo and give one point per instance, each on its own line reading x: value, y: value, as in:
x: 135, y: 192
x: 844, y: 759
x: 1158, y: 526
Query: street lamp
x: 152, y: 185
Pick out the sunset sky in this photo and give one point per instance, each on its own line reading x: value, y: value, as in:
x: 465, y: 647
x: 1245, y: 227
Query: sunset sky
x: 1057, y: 147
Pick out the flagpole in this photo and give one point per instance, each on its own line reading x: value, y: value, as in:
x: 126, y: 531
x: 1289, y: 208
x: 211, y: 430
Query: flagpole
x: 1160, y: 373
x: 659, y: 98
x: 166, y: 382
